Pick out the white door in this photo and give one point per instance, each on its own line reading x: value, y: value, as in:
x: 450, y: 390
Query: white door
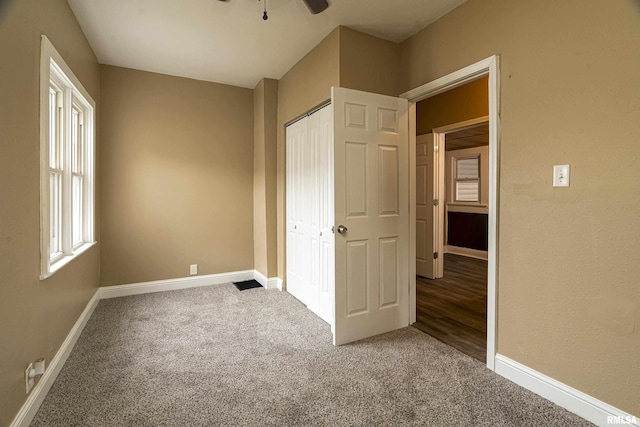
x: 323, y: 120
x: 429, y: 204
x: 309, y: 193
x: 371, y: 147
x: 298, y: 266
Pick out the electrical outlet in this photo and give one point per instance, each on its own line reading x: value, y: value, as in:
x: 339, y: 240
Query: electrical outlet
x: 193, y: 269
x: 29, y: 381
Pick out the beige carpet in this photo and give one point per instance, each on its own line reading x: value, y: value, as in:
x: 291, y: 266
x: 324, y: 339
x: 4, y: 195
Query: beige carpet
x: 216, y: 356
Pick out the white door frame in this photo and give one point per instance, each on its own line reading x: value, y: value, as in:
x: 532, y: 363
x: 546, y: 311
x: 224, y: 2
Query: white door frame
x: 487, y: 67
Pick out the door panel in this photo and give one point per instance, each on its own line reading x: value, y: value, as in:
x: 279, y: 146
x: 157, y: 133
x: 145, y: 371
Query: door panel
x: 372, y: 202
x: 388, y: 187
x: 295, y: 136
x: 355, y: 179
x: 389, y: 286
x: 311, y: 199
x: 357, y: 277
x: 325, y: 213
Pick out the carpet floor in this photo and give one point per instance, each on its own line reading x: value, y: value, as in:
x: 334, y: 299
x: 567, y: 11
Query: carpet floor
x: 215, y: 356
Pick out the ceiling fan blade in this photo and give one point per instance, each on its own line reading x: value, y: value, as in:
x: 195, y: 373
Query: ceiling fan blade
x: 316, y: 6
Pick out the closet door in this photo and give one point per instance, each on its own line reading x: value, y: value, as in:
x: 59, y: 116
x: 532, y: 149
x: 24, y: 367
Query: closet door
x: 311, y: 213
x: 296, y: 239
x: 310, y: 240
x: 325, y: 190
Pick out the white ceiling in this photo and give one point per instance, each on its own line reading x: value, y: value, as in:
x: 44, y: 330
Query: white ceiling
x: 228, y: 42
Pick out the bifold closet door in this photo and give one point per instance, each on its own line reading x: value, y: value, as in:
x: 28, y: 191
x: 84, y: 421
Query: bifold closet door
x: 310, y: 250
x: 298, y: 267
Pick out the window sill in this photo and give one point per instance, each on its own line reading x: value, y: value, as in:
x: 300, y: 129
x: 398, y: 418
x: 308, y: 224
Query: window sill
x: 66, y: 260
x: 476, y: 209
x: 468, y: 204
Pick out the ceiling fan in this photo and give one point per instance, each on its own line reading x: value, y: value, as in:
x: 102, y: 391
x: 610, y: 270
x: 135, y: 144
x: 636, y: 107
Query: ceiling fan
x: 315, y: 6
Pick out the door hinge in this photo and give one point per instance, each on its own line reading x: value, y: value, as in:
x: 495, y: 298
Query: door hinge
x: 436, y: 202
x: 435, y: 255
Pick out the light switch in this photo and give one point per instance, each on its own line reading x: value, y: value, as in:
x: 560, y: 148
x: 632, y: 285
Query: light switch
x: 561, y: 175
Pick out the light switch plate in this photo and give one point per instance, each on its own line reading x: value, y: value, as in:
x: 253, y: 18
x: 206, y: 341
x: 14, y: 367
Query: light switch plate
x: 28, y: 380
x: 561, y: 175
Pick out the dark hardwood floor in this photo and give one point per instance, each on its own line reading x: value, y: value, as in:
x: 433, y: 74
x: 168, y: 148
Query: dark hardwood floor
x: 453, y: 309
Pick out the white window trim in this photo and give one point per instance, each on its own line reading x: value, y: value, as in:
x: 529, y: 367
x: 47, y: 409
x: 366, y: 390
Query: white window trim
x: 51, y: 63
x: 456, y: 180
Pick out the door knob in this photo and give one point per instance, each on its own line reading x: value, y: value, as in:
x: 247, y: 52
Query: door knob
x: 342, y: 229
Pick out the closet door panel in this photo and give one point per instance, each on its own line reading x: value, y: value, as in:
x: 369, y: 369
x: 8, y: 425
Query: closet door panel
x: 312, y: 202
x: 296, y: 244
x: 325, y: 213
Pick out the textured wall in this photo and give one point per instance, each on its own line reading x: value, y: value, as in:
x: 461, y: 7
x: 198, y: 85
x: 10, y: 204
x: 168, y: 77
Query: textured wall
x: 35, y: 316
x: 465, y: 102
x: 568, y: 289
x: 177, y: 163
x: 368, y: 63
x: 265, y: 118
x: 259, y: 186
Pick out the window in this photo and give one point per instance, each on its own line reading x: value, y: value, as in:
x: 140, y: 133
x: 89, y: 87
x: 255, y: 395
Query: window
x: 467, y: 179
x: 67, y: 163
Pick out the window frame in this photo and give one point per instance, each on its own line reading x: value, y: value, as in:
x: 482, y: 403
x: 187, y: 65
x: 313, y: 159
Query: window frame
x: 56, y: 75
x: 456, y: 179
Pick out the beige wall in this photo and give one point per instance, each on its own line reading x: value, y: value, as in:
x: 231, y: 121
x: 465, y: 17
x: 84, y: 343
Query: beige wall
x: 265, y: 116
x: 345, y: 58
x: 259, y: 186
x: 305, y: 86
x: 35, y: 316
x: 568, y: 292
x: 465, y: 102
x: 368, y: 63
x: 177, y: 176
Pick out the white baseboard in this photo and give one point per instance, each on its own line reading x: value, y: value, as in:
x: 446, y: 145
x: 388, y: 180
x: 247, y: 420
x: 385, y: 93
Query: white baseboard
x: 260, y: 278
x: 40, y: 390
x: 468, y: 252
x: 588, y: 407
x: 174, y: 284
x: 270, y: 283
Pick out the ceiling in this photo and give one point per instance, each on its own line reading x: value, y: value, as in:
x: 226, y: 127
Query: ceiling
x: 228, y: 41
x: 468, y: 138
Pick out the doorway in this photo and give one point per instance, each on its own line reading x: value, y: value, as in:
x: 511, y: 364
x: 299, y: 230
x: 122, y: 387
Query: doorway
x: 488, y: 67
x: 452, y: 296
